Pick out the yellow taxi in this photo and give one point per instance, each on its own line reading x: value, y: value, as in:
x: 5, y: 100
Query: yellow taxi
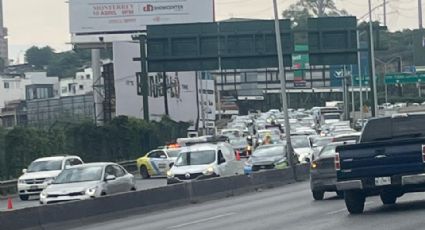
x: 157, y: 162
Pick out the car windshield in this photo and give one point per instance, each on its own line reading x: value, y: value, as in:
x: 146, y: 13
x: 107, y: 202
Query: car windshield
x: 331, y: 116
x: 40, y: 166
x: 80, y: 174
x: 300, y: 142
x: 173, y: 152
x: 321, y: 142
x: 196, y: 158
x: 238, y: 142
x: 328, y: 151
x: 273, y: 150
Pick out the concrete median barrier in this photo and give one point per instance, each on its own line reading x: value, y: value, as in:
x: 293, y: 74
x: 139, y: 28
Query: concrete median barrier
x: 44, y: 217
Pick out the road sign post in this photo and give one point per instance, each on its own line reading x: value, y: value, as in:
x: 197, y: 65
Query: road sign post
x: 289, y: 149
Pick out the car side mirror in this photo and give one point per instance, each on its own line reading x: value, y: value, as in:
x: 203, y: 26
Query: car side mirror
x: 171, y: 164
x: 24, y: 171
x: 110, y: 177
x: 163, y: 157
x: 67, y: 166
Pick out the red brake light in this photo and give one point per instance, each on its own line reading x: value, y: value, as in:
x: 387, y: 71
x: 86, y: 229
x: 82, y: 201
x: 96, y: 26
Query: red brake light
x: 337, y: 162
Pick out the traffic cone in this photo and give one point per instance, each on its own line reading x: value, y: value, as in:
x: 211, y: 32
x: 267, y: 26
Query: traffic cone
x: 9, y: 203
x: 238, y: 156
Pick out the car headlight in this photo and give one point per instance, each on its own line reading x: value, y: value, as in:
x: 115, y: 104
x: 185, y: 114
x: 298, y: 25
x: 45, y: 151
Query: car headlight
x: 91, y: 191
x: 21, y: 182
x: 49, y: 180
x: 43, y: 194
x: 209, y: 171
x: 170, y: 174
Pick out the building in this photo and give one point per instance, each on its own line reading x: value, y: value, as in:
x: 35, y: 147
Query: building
x: 31, y: 85
x: 14, y: 114
x: 43, y: 113
x: 80, y: 84
x: 3, y: 38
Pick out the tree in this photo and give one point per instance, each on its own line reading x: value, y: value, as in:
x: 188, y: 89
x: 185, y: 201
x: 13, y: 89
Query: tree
x: 39, y: 57
x: 64, y: 64
x: 303, y: 9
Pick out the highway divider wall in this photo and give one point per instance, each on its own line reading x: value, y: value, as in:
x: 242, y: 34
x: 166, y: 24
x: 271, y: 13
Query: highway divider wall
x: 46, y: 216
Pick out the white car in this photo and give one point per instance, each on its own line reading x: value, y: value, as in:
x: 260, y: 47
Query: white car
x: 205, y: 161
x: 42, y: 172
x: 302, y: 148
x: 87, y: 181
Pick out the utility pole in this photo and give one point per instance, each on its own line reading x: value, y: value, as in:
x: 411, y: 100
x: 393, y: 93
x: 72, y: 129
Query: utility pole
x: 289, y: 149
x: 98, y: 94
x: 385, y: 12
x: 359, y: 69
x: 321, y: 8
x: 420, y: 13
x: 372, y: 63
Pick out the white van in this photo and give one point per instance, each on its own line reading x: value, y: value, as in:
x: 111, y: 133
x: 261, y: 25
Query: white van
x: 203, y: 161
x: 42, y: 172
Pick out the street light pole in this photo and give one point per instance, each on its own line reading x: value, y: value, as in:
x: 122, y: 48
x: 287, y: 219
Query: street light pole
x: 359, y: 69
x: 372, y: 60
x: 289, y: 149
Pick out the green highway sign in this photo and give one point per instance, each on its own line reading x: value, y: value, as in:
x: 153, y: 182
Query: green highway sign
x: 404, y: 78
x: 249, y: 44
x: 365, y: 81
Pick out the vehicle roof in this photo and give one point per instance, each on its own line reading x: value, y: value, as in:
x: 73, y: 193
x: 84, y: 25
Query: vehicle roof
x: 54, y: 158
x: 94, y: 164
x: 201, y: 147
x: 348, y: 134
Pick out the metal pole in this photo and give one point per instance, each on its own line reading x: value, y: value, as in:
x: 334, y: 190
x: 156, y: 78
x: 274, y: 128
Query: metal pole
x: 97, y: 87
x: 420, y: 14
x: 353, y: 108
x: 360, y: 74
x: 419, y: 88
x: 283, y: 90
x: 202, y: 105
x: 372, y: 60
x: 144, y: 77
x: 385, y: 12
x: 165, y: 93
x: 386, y: 93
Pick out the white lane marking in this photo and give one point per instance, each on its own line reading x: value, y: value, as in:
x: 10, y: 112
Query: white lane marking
x: 202, y: 220
x: 345, y: 209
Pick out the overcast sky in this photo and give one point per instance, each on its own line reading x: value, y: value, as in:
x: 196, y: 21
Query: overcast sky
x: 46, y: 22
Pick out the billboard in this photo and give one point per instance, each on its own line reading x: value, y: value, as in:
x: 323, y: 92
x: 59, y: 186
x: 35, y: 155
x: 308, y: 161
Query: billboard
x: 103, y: 16
x: 181, y: 88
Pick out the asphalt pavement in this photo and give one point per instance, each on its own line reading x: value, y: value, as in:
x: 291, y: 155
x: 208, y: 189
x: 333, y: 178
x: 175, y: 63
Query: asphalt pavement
x: 33, y: 202
x: 288, y: 207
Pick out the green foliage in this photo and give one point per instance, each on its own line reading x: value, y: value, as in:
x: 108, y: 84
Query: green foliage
x: 64, y: 64
x: 303, y: 9
x: 39, y: 57
x: 122, y: 139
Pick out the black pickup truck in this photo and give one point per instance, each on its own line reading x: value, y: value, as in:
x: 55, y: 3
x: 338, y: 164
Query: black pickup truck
x: 389, y: 161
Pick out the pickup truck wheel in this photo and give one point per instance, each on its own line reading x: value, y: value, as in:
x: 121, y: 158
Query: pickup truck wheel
x: 354, y: 201
x: 318, y: 195
x: 388, y: 198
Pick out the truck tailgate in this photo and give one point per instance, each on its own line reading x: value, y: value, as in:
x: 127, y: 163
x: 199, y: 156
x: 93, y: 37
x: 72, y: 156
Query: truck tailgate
x: 377, y: 159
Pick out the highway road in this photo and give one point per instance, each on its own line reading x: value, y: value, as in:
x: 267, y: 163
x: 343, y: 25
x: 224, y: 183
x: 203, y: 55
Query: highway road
x: 140, y: 184
x: 289, y: 207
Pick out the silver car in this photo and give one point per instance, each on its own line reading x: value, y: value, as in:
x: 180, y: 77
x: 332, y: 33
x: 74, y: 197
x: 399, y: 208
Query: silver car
x: 88, y: 181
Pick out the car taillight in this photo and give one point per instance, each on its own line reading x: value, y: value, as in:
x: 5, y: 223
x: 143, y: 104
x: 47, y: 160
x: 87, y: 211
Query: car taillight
x: 423, y: 153
x: 337, y: 162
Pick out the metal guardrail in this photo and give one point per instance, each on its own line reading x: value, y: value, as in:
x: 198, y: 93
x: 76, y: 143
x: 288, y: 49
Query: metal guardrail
x: 9, y: 187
